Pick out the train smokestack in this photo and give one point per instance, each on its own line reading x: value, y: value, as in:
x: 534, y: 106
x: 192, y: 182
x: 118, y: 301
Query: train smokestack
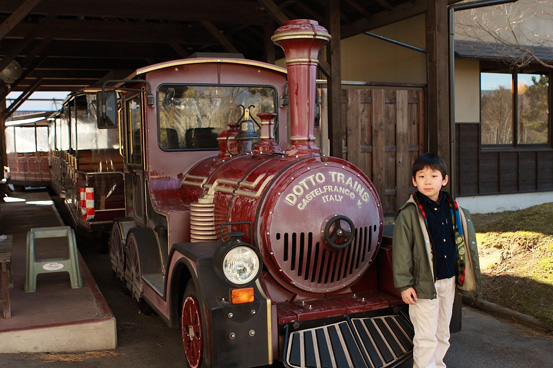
x: 301, y: 40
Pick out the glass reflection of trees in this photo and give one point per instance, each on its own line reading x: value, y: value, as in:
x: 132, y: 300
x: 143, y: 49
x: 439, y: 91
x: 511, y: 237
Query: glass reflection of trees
x: 192, y: 116
x: 532, y: 110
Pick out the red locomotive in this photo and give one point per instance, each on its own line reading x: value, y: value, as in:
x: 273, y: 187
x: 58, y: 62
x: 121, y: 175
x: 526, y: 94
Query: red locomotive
x: 237, y: 229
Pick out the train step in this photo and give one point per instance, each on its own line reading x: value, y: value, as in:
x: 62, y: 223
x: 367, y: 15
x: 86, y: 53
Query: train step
x: 156, y: 281
x: 380, y: 341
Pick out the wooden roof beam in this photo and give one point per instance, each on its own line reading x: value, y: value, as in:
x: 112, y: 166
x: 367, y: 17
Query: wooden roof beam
x: 17, y: 16
x: 178, y: 49
x: 274, y: 11
x: 109, y: 30
x: 112, y: 75
x: 219, y: 35
x: 354, y: 4
x: 311, y: 14
x: 385, y: 4
x: 168, y: 10
x: 29, y: 66
x: 10, y: 55
x: 22, y: 98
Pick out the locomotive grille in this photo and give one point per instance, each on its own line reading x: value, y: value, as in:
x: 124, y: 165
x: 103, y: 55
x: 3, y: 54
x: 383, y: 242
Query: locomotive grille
x: 316, y: 267
x: 376, y: 342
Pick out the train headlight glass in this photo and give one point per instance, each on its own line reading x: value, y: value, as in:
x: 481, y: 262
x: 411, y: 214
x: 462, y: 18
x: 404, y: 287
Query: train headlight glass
x: 241, y: 265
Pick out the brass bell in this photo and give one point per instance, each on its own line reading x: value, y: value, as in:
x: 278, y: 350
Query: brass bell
x: 247, y: 128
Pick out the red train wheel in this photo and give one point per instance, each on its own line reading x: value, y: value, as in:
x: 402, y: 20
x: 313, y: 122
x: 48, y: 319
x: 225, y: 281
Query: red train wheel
x: 191, y: 324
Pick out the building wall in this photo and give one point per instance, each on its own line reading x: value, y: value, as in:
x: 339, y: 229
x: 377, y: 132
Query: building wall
x: 368, y: 59
x: 467, y: 91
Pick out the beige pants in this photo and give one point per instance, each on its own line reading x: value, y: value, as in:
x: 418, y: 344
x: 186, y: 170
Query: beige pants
x: 431, y: 318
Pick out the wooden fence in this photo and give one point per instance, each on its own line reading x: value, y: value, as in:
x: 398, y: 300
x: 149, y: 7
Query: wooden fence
x: 384, y: 133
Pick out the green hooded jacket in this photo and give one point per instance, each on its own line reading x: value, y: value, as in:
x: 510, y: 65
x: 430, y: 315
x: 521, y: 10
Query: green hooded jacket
x: 412, y: 255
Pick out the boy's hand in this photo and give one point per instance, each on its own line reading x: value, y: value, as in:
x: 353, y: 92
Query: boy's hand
x: 409, y: 296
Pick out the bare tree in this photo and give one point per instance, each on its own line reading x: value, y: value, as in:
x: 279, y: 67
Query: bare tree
x: 520, y: 31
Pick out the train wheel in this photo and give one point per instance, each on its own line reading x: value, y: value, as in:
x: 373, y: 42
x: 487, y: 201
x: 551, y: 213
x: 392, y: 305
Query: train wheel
x: 133, y: 278
x: 116, y: 251
x: 192, y: 327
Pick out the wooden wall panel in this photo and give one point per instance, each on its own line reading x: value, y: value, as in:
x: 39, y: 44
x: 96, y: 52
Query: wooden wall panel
x: 467, y: 160
x: 527, y: 171
x: 481, y: 171
x: 383, y: 137
x: 344, y: 105
x: 379, y: 153
x: 403, y: 162
x: 359, y: 129
x: 545, y: 170
x: 508, y: 170
x: 489, y: 173
x: 416, y: 129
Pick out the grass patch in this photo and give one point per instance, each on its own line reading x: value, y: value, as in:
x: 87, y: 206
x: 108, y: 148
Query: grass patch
x: 516, y: 259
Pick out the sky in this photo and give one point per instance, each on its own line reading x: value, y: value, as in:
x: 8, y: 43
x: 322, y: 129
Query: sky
x: 493, y: 80
x: 39, y: 101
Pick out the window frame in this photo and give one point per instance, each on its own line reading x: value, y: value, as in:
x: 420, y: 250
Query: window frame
x: 496, y: 67
x: 230, y: 85
x: 133, y: 159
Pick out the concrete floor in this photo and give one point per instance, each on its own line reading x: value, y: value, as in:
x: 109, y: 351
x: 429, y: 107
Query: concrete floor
x: 55, y: 317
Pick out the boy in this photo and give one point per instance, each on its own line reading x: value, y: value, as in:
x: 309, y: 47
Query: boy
x: 434, y: 252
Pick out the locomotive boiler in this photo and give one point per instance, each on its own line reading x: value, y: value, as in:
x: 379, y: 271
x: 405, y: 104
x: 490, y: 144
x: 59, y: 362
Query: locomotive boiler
x: 240, y: 232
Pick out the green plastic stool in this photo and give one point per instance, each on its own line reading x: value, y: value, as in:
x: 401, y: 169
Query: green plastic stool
x: 37, y: 266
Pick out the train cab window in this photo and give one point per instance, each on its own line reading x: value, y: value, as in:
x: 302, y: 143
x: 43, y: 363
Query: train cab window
x: 192, y: 116
x: 9, y: 133
x: 26, y: 139
x: 134, y: 123
x: 64, y: 130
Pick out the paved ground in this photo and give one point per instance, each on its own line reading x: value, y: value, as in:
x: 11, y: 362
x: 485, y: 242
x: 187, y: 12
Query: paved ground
x: 146, y: 341
x: 487, y: 341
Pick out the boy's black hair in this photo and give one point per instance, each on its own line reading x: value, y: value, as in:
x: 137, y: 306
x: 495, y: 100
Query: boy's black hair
x: 430, y: 160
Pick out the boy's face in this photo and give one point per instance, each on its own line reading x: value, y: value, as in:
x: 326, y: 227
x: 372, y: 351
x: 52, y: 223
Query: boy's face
x: 429, y: 182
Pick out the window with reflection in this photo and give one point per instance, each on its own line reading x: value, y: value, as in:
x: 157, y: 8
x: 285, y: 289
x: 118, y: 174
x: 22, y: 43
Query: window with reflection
x: 134, y: 123
x: 192, y: 116
x: 26, y: 138
x: 89, y: 137
x: 515, y: 108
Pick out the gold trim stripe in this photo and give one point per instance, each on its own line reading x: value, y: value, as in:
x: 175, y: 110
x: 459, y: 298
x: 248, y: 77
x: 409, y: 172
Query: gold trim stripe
x: 191, y: 61
x: 302, y: 60
x: 287, y: 35
x: 269, y: 323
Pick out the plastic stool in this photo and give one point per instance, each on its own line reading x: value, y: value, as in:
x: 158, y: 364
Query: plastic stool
x: 51, y: 265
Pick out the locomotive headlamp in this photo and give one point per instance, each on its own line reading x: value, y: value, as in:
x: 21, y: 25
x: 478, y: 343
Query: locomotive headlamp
x: 241, y: 265
x: 238, y: 262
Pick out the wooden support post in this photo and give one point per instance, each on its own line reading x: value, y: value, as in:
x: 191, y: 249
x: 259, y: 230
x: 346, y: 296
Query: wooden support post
x: 268, y: 31
x: 438, y: 79
x: 335, y: 125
